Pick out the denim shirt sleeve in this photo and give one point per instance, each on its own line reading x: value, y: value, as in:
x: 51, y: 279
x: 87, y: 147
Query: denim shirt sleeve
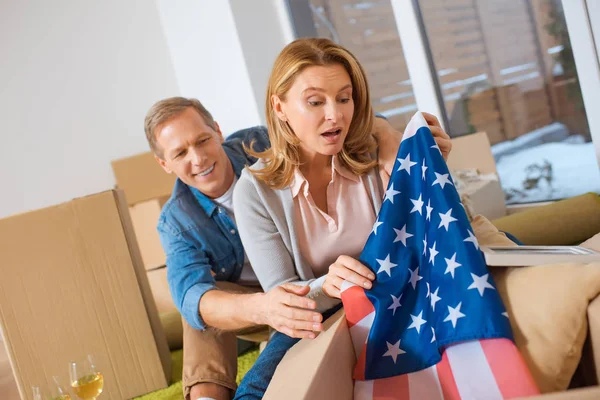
x: 188, y: 273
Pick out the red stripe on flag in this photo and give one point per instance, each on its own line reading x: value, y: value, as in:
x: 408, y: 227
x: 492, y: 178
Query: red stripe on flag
x: 510, y: 371
x: 356, y: 305
x: 447, y: 379
x: 393, y: 388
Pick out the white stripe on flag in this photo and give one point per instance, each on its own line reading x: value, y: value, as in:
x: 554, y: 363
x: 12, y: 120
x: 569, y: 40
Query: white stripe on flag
x: 360, y: 332
x: 363, y: 390
x: 346, y: 285
x: 416, y: 122
x: 472, y: 373
x: 425, y: 384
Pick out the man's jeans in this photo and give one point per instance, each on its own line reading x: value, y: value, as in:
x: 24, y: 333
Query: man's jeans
x: 255, y: 383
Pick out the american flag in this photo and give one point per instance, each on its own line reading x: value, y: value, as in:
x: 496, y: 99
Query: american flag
x: 433, y: 326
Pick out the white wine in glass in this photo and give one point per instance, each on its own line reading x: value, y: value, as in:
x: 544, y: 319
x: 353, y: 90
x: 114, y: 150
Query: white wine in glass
x: 87, y: 383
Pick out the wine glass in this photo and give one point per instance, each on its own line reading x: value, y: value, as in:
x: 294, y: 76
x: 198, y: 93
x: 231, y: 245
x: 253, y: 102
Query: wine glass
x: 58, y: 391
x: 37, y: 393
x: 86, y: 381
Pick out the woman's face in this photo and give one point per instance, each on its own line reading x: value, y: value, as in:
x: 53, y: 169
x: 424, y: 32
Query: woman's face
x: 319, y: 108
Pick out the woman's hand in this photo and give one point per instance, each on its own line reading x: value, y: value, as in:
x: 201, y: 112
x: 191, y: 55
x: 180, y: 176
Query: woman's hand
x: 439, y: 135
x: 390, y: 138
x: 346, y: 268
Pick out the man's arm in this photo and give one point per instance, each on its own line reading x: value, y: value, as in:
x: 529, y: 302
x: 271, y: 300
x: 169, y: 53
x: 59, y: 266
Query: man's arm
x: 284, y: 308
x: 202, y: 304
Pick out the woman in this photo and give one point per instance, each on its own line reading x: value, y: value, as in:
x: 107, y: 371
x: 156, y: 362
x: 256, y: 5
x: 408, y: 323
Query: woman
x: 306, y: 208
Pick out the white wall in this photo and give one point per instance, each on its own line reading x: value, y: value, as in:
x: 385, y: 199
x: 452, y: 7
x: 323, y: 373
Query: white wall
x: 77, y: 79
x: 261, y: 45
x: 208, y: 60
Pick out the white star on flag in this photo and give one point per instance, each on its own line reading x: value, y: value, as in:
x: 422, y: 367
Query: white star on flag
x: 428, y: 290
x: 433, y: 332
x: 423, y: 169
x: 472, y: 239
x: 505, y: 314
x: 417, y: 321
x: 406, y: 164
x: 480, y: 283
x: 402, y: 235
x: 451, y: 265
x: 394, y: 350
x: 390, y: 193
x: 425, y: 245
x: 435, y: 146
x: 417, y: 205
x: 386, y: 265
x: 441, y: 179
x: 435, y: 298
x: 446, y: 219
x: 454, y: 314
x: 429, y: 210
x: 432, y: 253
x: 376, y: 225
x: 414, y: 277
x: 395, y: 303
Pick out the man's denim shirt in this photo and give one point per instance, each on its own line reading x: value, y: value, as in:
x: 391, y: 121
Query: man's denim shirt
x: 199, y: 237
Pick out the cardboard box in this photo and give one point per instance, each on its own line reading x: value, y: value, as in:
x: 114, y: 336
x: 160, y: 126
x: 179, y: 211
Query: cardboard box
x: 472, y: 151
x: 145, y: 216
x: 73, y: 284
x: 141, y: 178
x: 483, y: 195
x: 322, y: 368
x: 160, y: 290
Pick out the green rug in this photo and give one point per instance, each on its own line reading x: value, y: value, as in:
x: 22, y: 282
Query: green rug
x: 175, y: 392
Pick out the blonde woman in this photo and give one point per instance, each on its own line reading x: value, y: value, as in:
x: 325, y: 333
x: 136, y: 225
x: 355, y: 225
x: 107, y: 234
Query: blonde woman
x: 306, y: 208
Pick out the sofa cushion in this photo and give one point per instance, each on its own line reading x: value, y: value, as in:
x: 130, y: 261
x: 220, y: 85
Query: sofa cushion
x: 564, y: 222
x: 547, y: 306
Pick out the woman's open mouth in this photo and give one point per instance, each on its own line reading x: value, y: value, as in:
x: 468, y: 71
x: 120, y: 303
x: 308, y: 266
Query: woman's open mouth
x: 332, y: 135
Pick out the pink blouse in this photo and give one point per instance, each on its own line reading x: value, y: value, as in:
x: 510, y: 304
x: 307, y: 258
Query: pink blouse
x: 343, y: 230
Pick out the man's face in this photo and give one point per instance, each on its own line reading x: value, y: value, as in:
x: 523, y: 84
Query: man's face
x: 192, y: 150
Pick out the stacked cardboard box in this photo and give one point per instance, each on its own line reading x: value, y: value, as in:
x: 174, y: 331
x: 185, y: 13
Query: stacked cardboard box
x: 73, y: 284
x: 147, y: 187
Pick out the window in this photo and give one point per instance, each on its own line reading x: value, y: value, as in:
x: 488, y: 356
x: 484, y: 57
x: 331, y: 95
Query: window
x: 368, y: 30
x: 506, y: 68
x: 503, y: 67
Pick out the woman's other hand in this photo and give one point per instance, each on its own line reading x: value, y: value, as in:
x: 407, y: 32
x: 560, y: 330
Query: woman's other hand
x: 346, y: 268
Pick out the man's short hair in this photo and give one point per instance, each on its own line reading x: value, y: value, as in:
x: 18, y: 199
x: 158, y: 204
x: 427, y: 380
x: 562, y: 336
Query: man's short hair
x: 164, y: 110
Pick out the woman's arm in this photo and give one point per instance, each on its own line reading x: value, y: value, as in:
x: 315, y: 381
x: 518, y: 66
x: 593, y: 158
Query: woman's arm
x: 265, y: 248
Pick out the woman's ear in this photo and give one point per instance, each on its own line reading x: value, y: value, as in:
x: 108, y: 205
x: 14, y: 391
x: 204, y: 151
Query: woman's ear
x: 277, y: 105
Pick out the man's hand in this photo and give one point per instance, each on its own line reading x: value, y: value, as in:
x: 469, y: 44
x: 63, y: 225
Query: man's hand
x: 287, y: 310
x: 390, y: 138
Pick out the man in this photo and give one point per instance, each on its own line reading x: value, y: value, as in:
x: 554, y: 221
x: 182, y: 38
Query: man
x: 211, y: 280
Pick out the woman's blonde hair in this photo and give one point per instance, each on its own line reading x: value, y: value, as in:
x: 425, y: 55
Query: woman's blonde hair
x: 283, y: 156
